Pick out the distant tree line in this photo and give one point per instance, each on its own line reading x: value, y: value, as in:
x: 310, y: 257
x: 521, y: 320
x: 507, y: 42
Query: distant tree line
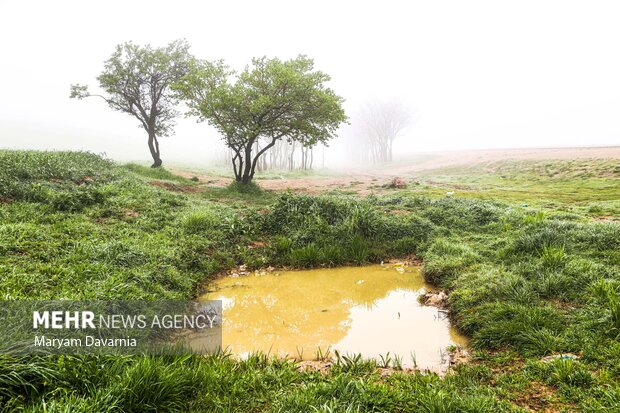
x: 380, y: 123
x: 281, y: 107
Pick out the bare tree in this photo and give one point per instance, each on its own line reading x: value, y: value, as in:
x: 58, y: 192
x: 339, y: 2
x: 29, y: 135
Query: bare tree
x: 380, y: 124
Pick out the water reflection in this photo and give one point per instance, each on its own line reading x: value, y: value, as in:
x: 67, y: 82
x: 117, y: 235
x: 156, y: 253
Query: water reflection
x: 370, y: 310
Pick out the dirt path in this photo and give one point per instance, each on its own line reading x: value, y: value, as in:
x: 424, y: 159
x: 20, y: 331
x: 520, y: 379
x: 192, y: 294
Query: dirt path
x: 363, y: 185
x: 375, y: 180
x: 437, y: 160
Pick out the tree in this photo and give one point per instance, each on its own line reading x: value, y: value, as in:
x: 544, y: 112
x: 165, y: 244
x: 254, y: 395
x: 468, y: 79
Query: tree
x: 271, y: 100
x: 381, y: 124
x: 137, y: 80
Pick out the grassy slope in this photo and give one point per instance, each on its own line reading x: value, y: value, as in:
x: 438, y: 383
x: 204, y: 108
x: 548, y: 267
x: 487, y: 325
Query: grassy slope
x: 526, y: 282
x: 590, y: 187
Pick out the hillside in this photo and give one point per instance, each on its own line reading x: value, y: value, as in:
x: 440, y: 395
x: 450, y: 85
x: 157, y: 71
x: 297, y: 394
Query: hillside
x: 527, y: 278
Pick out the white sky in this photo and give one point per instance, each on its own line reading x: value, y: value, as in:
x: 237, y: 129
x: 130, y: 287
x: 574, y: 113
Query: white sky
x: 481, y: 74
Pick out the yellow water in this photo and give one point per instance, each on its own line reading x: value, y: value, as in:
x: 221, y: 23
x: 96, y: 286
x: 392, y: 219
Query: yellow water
x: 370, y: 310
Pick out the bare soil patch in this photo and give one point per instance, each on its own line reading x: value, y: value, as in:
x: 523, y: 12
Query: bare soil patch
x: 174, y: 187
x: 377, y: 180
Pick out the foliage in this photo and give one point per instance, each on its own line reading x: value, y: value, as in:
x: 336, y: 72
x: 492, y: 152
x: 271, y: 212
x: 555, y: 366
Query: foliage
x: 270, y: 100
x: 137, y: 80
x: 76, y: 226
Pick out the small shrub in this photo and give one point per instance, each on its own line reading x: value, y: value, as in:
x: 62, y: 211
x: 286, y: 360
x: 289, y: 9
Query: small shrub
x: 534, y: 218
x: 570, y: 373
x: 459, y: 215
x: 75, y: 200
x: 515, y: 289
x: 251, y: 188
x: 496, y: 325
x: 195, y: 255
x: 553, y: 256
x: 24, y: 376
x: 534, y: 238
x: 200, y: 222
x: 445, y: 258
x: 403, y: 246
x: 333, y: 254
x: 283, y: 245
x: 397, y: 183
x: 153, y: 384
x: 304, y: 257
x: 540, y: 342
x: 554, y: 285
x: 467, y: 375
x: 363, y: 220
x: 353, y: 364
x: 358, y: 250
x: 607, y: 293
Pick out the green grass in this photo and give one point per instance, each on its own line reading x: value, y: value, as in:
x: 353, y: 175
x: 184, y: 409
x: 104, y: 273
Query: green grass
x: 524, y: 282
x: 588, y: 187
x: 155, y: 173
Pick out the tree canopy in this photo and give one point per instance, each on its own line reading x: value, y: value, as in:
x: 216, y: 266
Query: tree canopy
x: 137, y: 80
x: 270, y: 100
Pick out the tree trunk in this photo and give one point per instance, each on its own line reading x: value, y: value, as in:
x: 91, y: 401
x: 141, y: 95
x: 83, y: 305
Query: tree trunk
x: 251, y: 162
x: 154, y: 148
x: 238, y: 168
x: 247, y: 169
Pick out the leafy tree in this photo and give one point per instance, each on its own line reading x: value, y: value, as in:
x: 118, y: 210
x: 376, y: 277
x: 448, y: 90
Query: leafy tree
x: 137, y: 80
x: 270, y: 100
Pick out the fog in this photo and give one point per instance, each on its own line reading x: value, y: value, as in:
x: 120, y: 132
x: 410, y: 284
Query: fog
x: 477, y: 74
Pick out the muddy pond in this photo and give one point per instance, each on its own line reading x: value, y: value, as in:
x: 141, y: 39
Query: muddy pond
x: 372, y: 310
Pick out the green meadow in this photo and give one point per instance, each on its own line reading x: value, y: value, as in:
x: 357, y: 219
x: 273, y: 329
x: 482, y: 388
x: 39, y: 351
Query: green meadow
x: 529, y: 252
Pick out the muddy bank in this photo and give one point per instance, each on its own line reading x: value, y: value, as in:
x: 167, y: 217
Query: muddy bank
x: 437, y: 299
